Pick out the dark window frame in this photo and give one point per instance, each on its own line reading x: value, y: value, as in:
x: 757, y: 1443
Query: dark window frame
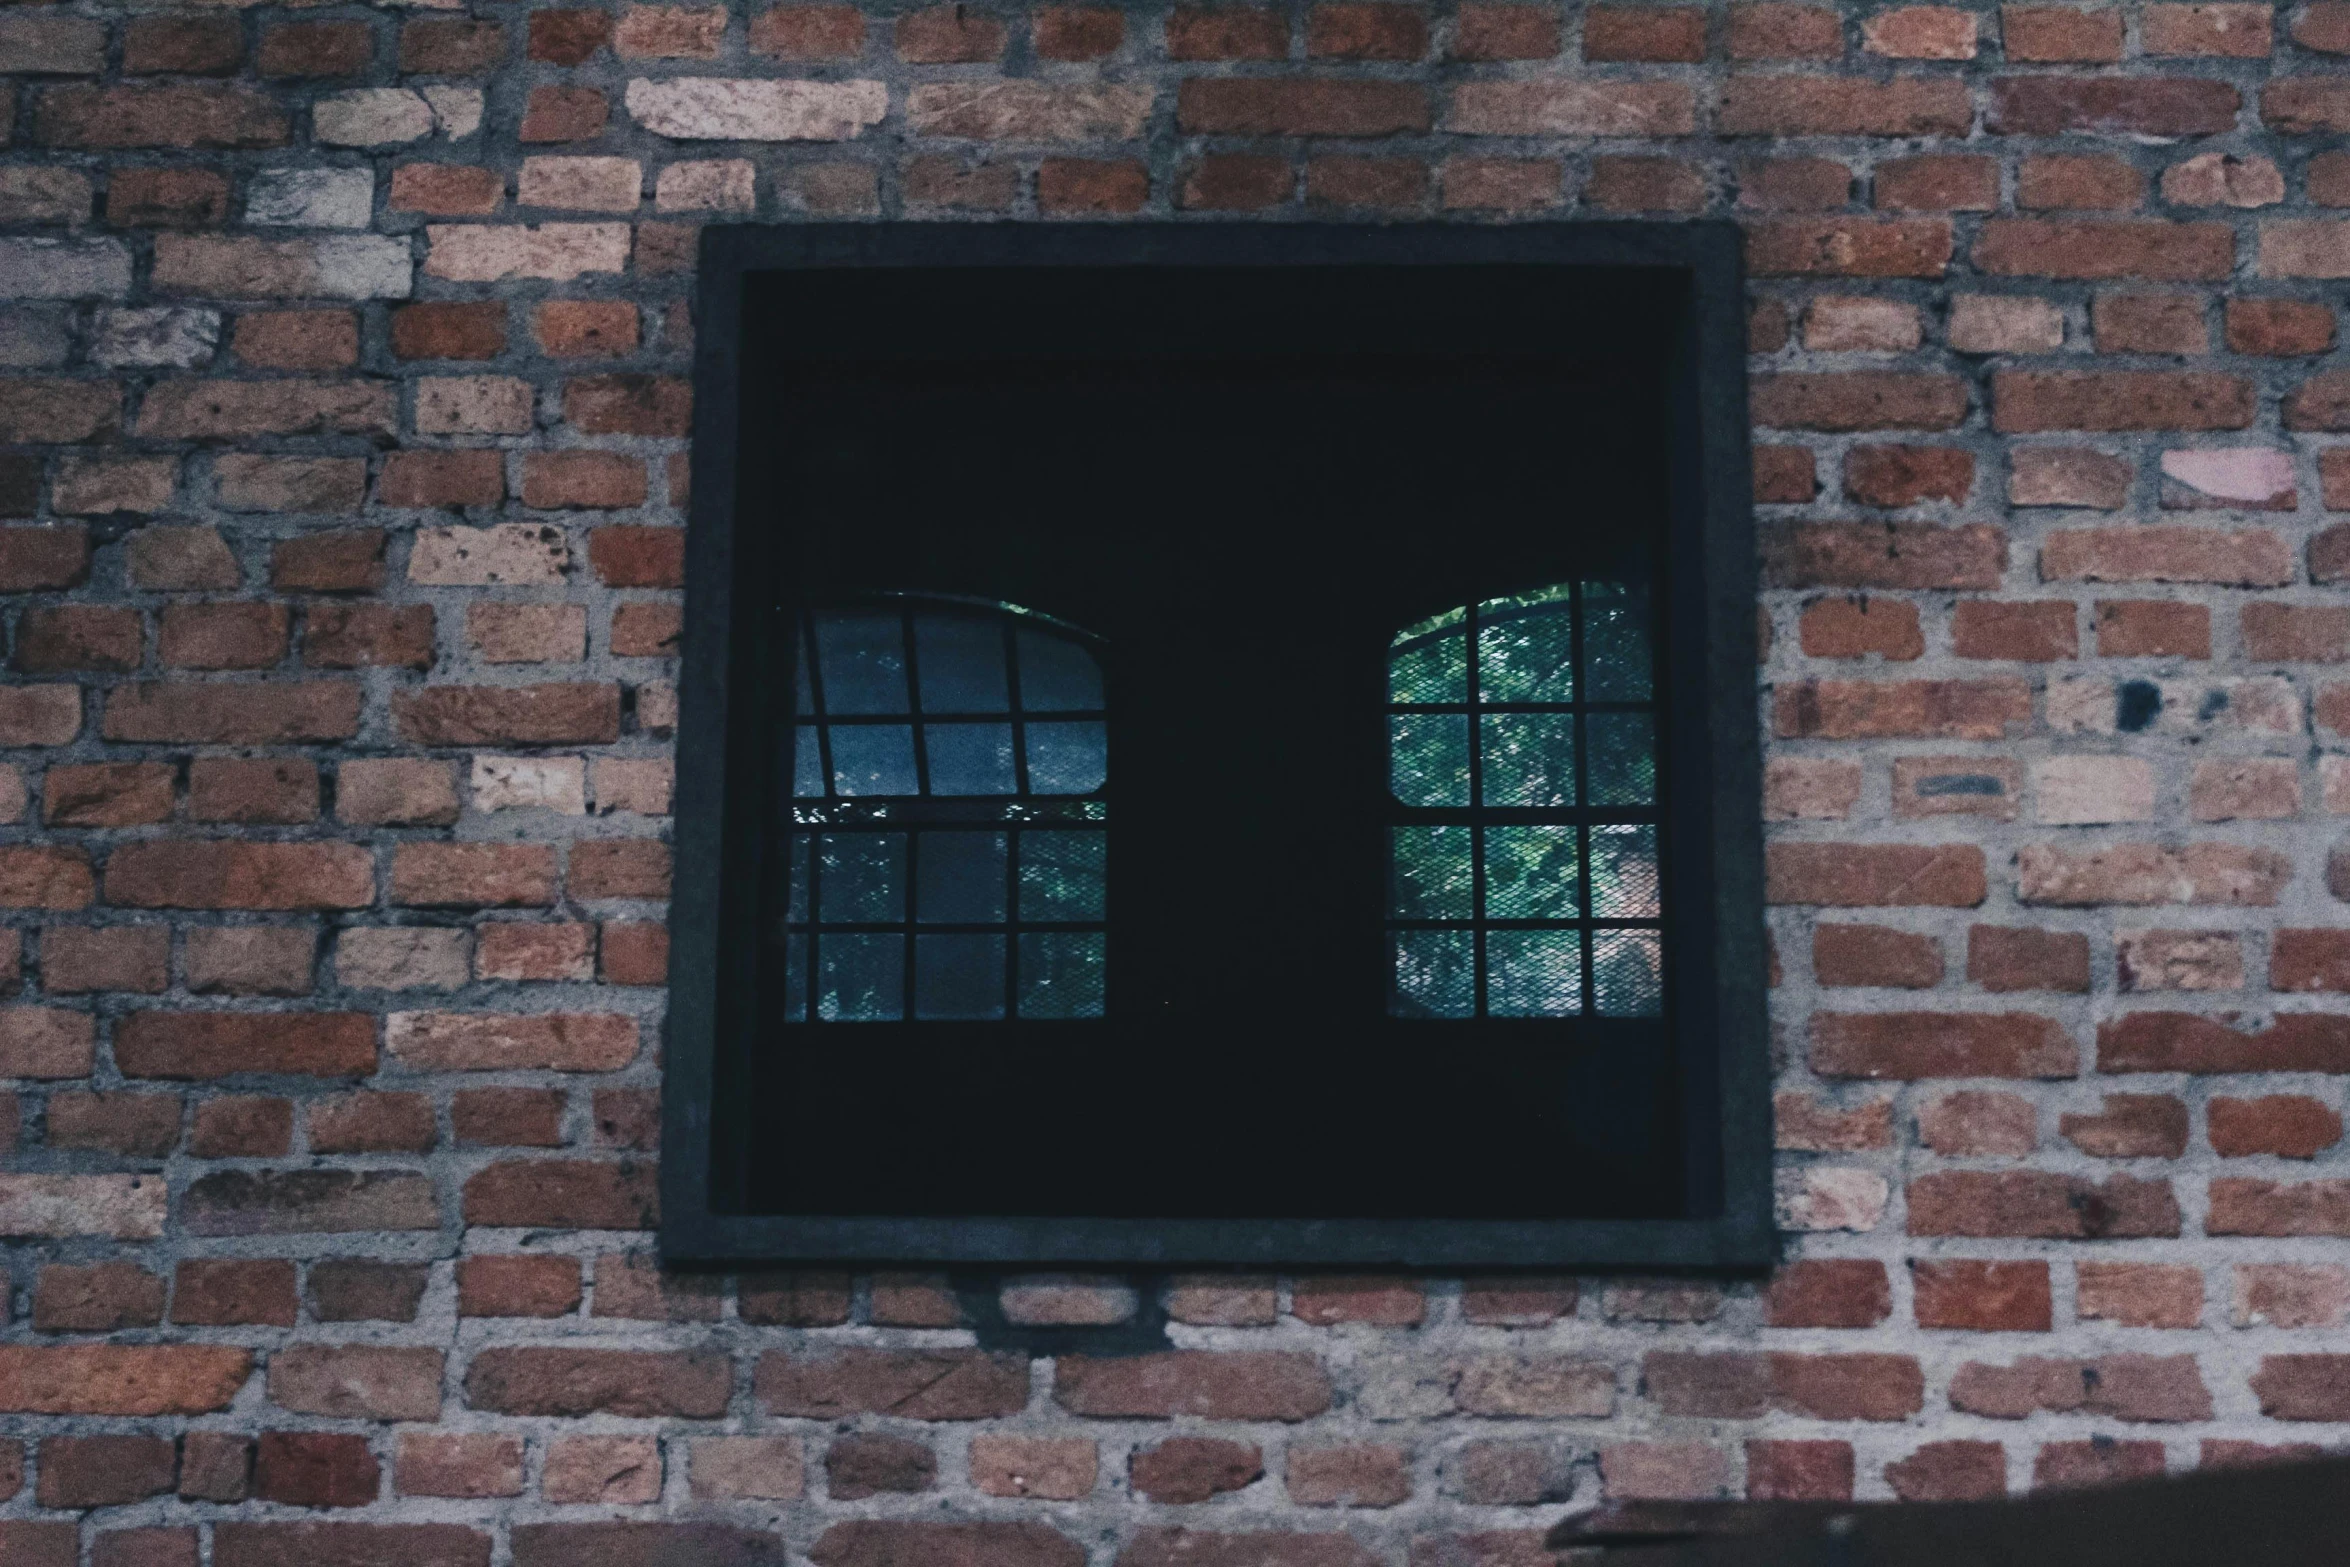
x: 1711, y: 618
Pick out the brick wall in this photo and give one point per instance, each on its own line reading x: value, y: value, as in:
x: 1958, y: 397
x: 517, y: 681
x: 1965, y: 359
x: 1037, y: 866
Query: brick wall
x: 341, y: 454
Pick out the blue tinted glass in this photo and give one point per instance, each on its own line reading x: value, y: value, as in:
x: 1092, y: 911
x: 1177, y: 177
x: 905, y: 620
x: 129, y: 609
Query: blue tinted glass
x: 1435, y: 974
x: 1062, y: 973
x: 961, y: 658
x: 1615, y: 642
x: 873, y: 758
x: 862, y: 878
x: 807, y: 762
x: 1067, y: 757
x: 1063, y: 876
x: 959, y: 976
x: 860, y: 978
x: 961, y: 879
x: 970, y: 758
x: 1533, y: 973
x: 1623, y: 758
x: 862, y: 654
x: 1057, y: 675
x: 1428, y: 758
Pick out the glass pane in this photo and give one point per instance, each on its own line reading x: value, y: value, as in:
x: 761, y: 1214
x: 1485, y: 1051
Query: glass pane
x: 807, y: 763
x: 969, y: 758
x: 1063, y: 876
x: 873, y: 759
x: 1067, y: 758
x: 803, y: 702
x: 961, y: 659
x: 795, y: 908
x: 1428, y: 755
x: 860, y: 978
x: 1533, y: 973
x: 1623, y: 758
x: 1615, y: 642
x: 1623, y: 873
x: 1530, y: 873
x: 1526, y: 648
x: 863, y: 657
x: 862, y: 878
x: 959, y: 976
x: 1061, y: 973
x: 1430, y: 876
x: 795, y: 979
x: 1529, y: 758
x: 1057, y: 675
x: 1627, y: 970
x: 1435, y: 974
x: 1434, y: 671
x: 959, y: 878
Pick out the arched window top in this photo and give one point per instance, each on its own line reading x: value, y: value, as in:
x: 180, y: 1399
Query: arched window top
x: 1524, y: 852
x: 906, y: 696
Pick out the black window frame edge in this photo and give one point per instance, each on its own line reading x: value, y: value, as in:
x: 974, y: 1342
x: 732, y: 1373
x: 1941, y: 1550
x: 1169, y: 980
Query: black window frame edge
x: 1711, y: 490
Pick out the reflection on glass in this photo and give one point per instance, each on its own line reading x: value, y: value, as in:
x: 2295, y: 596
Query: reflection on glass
x: 1057, y: 675
x: 1623, y: 872
x: 970, y: 758
x: 1432, y: 874
x: 1068, y: 757
x: 862, y: 654
x: 1063, y: 876
x: 869, y: 759
x: 1526, y: 647
x: 1530, y: 873
x: 959, y: 878
x: 958, y: 976
x: 1533, y: 973
x: 1526, y: 721
x: 860, y: 977
x: 1000, y: 733
x: 1062, y: 974
x: 1627, y: 973
x: 961, y: 658
x: 1429, y: 758
x: 1435, y: 973
x: 1529, y: 758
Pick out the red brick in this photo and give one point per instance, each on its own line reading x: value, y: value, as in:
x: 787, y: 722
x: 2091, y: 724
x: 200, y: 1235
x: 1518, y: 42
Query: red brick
x: 584, y: 479
x: 1076, y: 32
x: 315, y: 1469
x: 2025, y: 401
x: 1494, y: 30
x: 568, y: 37
x: 2071, y: 1465
x: 2041, y: 1204
x: 188, y: 713
x: 1982, y: 1297
x: 1828, y: 1293
x: 1938, y: 182
x: 570, y: 1382
x: 202, y: 1045
x: 2140, y: 1294
x: 1215, y: 1385
x: 1637, y: 184
x: 518, y: 1286
x: 2149, y: 324
x: 1863, y: 876
x: 350, y: 1289
x: 78, y: 636
x: 226, y: 1292
x: 948, y: 34
x: 345, y: 560
x: 578, y: 714
x: 1365, y: 30
x: 2189, y: 1042
x: 1744, y: 1385
x: 445, y: 190
x: 1383, y: 1302
x: 1912, y: 1045
x: 1226, y: 32
x: 1907, y: 475
x: 1956, y: 1471
x: 1860, y: 955
x: 1842, y: 106
x: 2129, y: 1126
x: 242, y: 1126
x: 1193, y: 1469
x: 470, y: 1464
x: 1654, y: 35
x: 188, y: 45
x: 121, y: 1379
x: 2114, y: 248
x: 2291, y: 1126
x: 1777, y: 31
x: 1904, y: 555
x: 261, y: 791
x: 1799, y: 1471
x: 564, y: 1193
x: 454, y: 479
x: 2091, y: 183
x: 362, y: 636
x: 1862, y: 400
x: 560, y: 114
x: 508, y: 1117
x: 372, y: 1123
x: 104, y: 1297
x: 226, y: 874
x: 1878, y: 709
x: 298, y: 340
x: 159, y: 115
x: 1794, y: 184
x: 2040, y: 631
x: 2152, y: 628
x: 2114, y: 106
x: 451, y: 47
x: 104, y: 1471
x: 1266, y: 106
x: 141, y: 1125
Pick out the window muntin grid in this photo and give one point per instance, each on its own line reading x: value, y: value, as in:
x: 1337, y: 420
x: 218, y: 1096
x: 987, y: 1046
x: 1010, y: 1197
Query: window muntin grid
x: 1523, y: 846
x: 950, y: 854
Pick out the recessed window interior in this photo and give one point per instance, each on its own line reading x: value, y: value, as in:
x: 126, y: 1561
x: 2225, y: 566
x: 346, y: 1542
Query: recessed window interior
x: 1522, y: 753
x: 1350, y: 596
x: 950, y: 847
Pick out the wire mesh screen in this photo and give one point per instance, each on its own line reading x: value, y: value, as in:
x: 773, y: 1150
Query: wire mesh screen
x: 950, y: 856
x: 1523, y: 871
